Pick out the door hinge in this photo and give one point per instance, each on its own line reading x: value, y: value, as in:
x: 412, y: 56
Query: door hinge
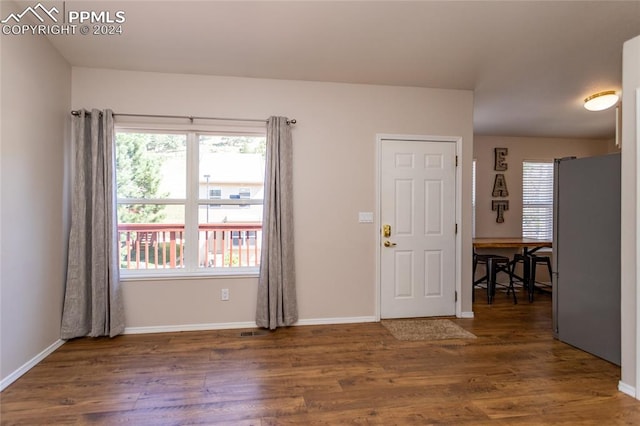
x: 456, y: 161
x: 455, y: 297
x: 456, y: 230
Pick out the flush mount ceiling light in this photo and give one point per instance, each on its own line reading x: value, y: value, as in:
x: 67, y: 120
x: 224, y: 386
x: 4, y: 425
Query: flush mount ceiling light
x: 601, y: 100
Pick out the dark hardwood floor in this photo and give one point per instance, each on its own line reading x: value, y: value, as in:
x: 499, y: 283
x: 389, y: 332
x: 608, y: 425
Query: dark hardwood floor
x: 513, y: 373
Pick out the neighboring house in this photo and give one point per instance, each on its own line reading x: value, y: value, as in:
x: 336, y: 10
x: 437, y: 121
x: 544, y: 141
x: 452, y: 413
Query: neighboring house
x: 231, y: 176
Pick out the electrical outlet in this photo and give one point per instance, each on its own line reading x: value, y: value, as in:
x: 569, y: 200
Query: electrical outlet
x: 224, y: 294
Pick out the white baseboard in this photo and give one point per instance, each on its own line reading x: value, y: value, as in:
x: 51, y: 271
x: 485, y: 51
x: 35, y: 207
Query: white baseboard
x: 29, y: 364
x: 188, y: 327
x: 234, y: 325
x: 327, y: 321
x: 625, y: 388
x: 467, y: 315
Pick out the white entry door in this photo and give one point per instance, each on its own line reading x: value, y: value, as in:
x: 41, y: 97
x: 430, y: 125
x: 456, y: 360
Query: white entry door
x: 417, y: 208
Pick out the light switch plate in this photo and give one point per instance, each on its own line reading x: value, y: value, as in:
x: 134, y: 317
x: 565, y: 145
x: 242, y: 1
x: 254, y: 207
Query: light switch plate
x: 365, y: 217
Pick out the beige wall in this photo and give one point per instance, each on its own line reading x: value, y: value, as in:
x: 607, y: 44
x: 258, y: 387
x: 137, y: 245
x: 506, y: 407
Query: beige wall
x: 629, y: 239
x: 334, y: 174
x: 520, y: 149
x: 36, y: 97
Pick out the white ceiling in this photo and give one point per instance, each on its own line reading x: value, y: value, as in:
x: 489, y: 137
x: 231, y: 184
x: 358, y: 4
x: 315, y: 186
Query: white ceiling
x: 530, y: 64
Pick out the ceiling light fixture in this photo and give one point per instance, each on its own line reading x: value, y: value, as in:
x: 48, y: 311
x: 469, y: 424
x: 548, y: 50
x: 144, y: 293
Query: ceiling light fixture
x: 601, y: 100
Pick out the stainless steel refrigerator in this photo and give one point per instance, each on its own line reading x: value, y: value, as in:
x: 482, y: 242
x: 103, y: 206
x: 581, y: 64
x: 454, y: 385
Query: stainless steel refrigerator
x: 586, y: 254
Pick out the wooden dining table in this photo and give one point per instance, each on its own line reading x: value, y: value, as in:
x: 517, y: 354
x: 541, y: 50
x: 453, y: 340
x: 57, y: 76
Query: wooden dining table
x: 528, y: 246
x: 515, y: 243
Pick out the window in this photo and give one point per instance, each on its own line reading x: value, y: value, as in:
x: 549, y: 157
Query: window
x: 244, y: 194
x: 537, y: 199
x: 215, y: 194
x: 165, y: 183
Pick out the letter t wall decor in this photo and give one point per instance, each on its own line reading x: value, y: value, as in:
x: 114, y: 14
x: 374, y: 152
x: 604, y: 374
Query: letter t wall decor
x: 500, y: 184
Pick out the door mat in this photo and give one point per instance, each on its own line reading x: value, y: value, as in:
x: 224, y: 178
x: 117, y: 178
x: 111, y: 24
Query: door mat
x: 426, y: 329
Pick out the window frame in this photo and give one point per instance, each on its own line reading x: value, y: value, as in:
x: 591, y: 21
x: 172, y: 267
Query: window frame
x: 192, y: 200
x: 547, y: 205
x: 474, y: 194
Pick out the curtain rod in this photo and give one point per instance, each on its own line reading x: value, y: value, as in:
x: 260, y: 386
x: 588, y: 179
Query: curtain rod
x: 189, y: 117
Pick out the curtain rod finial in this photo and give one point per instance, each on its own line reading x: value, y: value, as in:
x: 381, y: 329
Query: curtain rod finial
x: 292, y: 121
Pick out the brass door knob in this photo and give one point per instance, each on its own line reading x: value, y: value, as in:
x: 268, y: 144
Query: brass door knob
x: 389, y: 244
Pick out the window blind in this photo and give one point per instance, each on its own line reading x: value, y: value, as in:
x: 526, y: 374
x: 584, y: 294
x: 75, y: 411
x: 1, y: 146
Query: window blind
x: 537, y: 199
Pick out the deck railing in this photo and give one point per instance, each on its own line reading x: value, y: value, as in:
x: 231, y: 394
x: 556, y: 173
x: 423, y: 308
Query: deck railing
x: 161, y: 246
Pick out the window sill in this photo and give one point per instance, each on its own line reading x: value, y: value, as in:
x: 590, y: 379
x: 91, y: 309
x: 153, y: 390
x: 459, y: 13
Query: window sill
x: 182, y: 275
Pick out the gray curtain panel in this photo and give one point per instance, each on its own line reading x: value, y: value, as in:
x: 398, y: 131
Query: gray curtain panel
x: 277, y: 304
x: 93, y: 301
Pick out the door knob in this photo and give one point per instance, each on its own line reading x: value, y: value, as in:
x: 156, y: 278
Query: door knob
x: 389, y: 244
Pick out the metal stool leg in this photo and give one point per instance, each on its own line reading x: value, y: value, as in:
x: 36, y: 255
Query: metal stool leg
x: 527, y: 276
x: 491, y: 280
x: 511, y: 287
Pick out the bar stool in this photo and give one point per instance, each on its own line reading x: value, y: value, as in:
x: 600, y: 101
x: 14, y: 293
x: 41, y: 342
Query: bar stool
x: 529, y: 264
x: 541, y: 260
x: 494, y: 263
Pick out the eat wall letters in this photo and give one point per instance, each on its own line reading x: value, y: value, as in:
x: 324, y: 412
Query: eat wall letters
x: 500, y: 183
